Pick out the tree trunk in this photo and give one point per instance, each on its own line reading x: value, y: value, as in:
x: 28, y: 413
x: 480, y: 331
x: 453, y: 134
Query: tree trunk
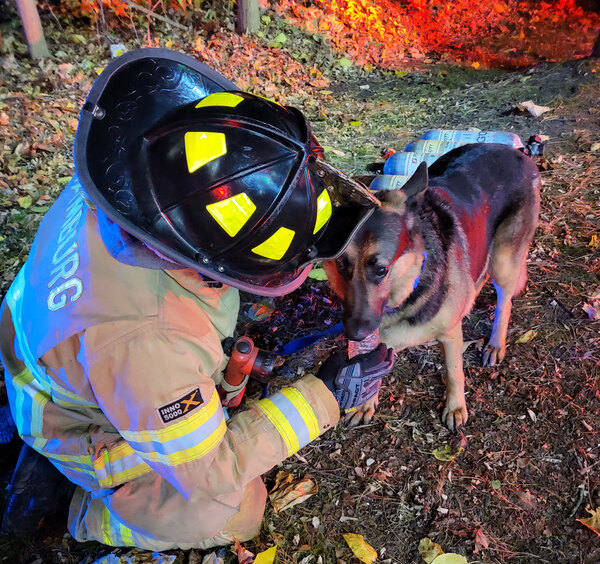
x: 33, y: 29
x: 248, y: 19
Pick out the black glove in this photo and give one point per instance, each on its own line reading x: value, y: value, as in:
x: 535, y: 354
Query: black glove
x: 353, y: 382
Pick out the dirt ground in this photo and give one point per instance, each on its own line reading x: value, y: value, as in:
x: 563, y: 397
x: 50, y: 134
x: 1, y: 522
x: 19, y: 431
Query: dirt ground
x: 527, y: 464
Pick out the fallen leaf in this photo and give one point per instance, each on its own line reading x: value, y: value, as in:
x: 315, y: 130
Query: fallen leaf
x: 243, y: 554
x: 533, y: 109
x: 429, y: 550
x: 595, y: 147
x: 267, y: 556
x: 355, y: 123
x: 593, y: 307
x: 344, y: 63
x: 480, y: 541
x: 593, y: 522
x: 317, y: 274
x: 450, y: 558
x: 288, y: 492
x: 444, y: 453
x: 477, y: 342
x: 475, y: 65
x: 594, y: 241
x: 25, y: 202
x: 362, y: 550
x: 280, y: 39
x: 496, y: 484
x: 526, y: 337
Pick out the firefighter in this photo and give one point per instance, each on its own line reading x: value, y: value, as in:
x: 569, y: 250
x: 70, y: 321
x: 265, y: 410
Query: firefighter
x: 186, y: 191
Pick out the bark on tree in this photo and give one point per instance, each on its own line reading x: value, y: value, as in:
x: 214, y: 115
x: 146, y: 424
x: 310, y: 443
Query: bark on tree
x: 248, y: 18
x: 34, y: 34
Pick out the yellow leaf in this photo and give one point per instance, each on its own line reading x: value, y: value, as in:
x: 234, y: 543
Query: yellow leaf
x: 355, y: 123
x: 429, y: 550
x: 362, y: 550
x: 526, y: 337
x: 267, y: 556
x: 450, y: 558
x: 593, y: 522
x: 25, y: 202
x: 594, y: 242
x: 444, y: 454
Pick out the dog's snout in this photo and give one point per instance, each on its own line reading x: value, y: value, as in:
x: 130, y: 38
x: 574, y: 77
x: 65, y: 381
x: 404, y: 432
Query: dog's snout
x: 358, y: 329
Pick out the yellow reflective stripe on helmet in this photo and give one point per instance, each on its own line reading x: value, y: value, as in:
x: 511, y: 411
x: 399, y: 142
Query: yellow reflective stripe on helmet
x: 276, y: 245
x: 233, y: 213
x: 201, y: 147
x: 305, y: 410
x: 280, y: 422
x: 323, y: 210
x: 220, y: 99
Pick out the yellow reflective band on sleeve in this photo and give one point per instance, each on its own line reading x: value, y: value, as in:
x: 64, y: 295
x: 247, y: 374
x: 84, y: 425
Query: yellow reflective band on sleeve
x: 180, y: 428
x: 276, y: 245
x: 275, y: 416
x: 305, y: 410
x: 220, y: 99
x: 202, y: 147
x: 233, y: 213
x: 184, y: 441
x: 126, y: 535
x: 106, y: 528
x: 114, y: 533
x: 323, y: 210
x: 118, y: 465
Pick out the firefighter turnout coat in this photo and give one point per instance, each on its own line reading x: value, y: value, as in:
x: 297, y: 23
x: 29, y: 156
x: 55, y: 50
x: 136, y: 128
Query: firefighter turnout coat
x: 111, y: 372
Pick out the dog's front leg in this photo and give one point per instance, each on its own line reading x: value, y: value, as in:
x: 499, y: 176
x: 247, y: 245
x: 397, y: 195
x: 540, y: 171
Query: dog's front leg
x: 455, y: 410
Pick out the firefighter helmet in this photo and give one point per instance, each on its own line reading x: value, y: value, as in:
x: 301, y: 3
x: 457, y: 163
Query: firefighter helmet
x: 221, y: 181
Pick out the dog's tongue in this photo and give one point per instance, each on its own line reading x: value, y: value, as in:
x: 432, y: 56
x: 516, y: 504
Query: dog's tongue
x: 366, y: 345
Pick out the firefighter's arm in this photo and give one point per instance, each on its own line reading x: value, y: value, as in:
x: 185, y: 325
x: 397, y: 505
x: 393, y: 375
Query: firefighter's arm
x: 155, y: 387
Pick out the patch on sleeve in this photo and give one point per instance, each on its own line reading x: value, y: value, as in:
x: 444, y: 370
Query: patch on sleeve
x: 181, y: 407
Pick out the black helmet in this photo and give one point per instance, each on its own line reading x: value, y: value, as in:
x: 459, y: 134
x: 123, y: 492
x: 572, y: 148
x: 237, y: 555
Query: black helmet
x: 221, y: 181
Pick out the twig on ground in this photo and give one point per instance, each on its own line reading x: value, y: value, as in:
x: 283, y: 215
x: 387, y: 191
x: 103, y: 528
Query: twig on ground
x: 582, y: 493
x: 157, y: 16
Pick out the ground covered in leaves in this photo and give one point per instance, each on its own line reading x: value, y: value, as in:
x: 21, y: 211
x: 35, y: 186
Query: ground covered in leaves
x: 508, y: 487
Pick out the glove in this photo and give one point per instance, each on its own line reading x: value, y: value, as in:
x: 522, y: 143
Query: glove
x: 353, y: 382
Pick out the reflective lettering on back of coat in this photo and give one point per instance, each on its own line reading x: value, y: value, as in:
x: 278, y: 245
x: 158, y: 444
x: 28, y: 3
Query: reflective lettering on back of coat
x: 64, y: 286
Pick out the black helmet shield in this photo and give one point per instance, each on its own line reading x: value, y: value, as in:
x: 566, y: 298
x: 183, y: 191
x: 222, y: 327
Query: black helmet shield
x: 224, y: 182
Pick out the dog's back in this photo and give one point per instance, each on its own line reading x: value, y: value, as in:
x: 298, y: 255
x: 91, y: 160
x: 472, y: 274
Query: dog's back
x: 487, y: 185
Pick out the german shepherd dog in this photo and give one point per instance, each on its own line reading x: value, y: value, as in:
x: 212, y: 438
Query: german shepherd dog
x: 414, y: 269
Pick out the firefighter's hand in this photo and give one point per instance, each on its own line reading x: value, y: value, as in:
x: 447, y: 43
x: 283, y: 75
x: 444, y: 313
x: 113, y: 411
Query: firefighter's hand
x: 353, y: 382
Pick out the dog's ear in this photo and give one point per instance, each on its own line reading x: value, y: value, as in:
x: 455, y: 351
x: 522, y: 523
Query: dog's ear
x: 397, y: 199
x: 417, y: 182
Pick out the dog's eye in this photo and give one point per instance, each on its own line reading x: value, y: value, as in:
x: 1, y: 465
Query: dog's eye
x: 381, y: 271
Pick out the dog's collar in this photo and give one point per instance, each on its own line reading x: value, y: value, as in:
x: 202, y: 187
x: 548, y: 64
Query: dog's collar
x: 422, y: 269
x: 390, y: 310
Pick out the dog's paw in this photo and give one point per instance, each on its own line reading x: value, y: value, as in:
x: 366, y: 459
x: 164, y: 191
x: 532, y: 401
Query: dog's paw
x: 493, y: 355
x: 363, y: 413
x: 455, y: 414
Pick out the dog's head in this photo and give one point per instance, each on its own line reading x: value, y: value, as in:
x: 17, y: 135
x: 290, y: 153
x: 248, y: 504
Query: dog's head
x: 381, y: 263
